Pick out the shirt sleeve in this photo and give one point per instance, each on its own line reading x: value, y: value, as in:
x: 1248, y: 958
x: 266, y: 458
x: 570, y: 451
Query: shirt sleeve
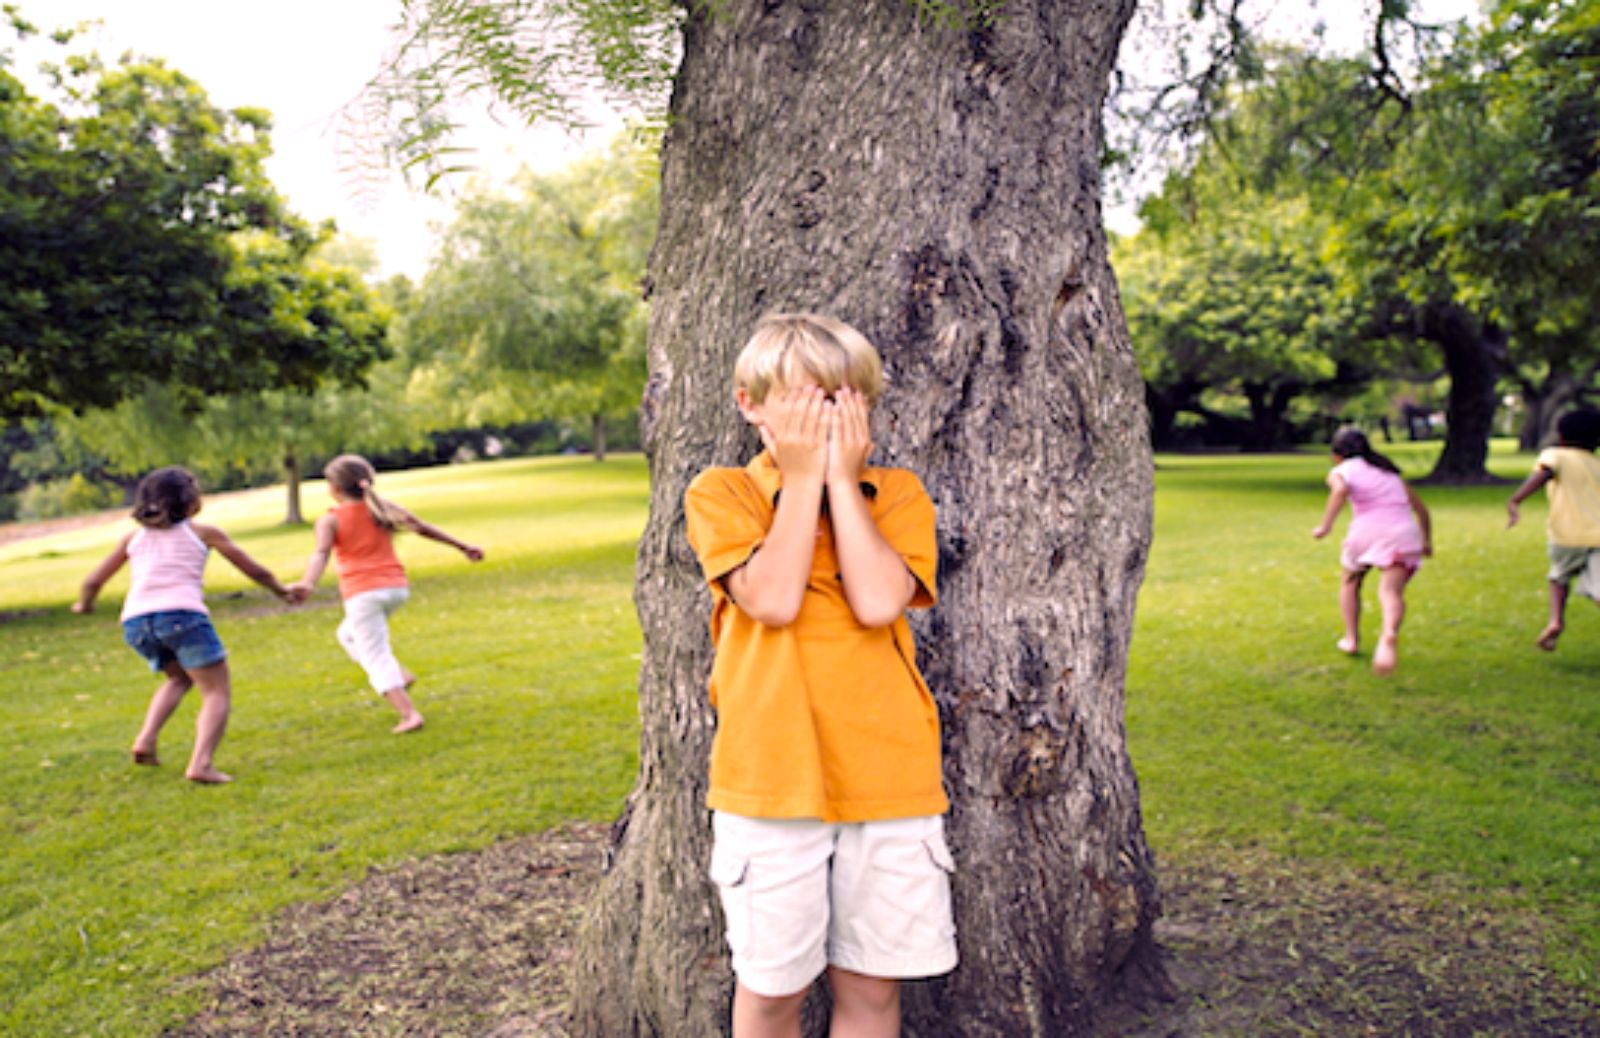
x: 724, y: 530
x: 1550, y: 458
x: 907, y: 523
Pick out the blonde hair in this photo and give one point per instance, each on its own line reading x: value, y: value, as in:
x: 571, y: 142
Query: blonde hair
x: 352, y: 475
x: 787, y: 349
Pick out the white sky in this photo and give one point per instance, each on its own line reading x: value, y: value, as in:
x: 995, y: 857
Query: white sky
x: 304, y: 60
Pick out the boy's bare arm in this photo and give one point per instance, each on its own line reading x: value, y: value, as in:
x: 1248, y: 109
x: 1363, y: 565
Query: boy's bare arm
x: 99, y: 575
x: 771, y: 585
x: 214, y: 537
x: 877, y: 583
x: 1536, y: 479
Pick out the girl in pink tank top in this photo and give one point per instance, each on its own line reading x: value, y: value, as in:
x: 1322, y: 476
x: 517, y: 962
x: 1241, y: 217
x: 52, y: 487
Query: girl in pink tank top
x: 1390, y: 530
x: 164, y: 616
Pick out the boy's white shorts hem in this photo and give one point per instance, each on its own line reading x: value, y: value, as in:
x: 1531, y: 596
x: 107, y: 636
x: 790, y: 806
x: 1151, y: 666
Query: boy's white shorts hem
x: 799, y: 895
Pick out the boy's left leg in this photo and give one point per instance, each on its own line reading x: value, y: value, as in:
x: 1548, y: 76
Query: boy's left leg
x: 863, y: 1006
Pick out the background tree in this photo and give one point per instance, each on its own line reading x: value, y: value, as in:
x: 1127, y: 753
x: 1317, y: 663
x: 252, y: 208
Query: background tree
x: 117, y: 209
x: 532, y: 306
x: 306, y: 306
x: 1235, y: 296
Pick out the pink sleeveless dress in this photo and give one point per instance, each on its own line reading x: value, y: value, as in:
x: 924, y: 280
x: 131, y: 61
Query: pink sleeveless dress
x: 1383, y: 531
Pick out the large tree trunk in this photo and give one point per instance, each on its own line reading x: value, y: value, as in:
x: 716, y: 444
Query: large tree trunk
x: 939, y: 189
x: 1474, y: 355
x: 291, y: 481
x: 1269, y: 429
x: 1544, y: 402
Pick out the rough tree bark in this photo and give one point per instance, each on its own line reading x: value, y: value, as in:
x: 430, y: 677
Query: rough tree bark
x: 1474, y: 355
x: 940, y: 190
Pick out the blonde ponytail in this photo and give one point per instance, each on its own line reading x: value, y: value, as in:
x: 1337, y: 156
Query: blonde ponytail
x: 352, y: 475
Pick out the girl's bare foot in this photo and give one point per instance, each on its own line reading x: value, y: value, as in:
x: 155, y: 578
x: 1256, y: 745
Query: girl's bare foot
x: 1388, y: 654
x: 1548, y: 636
x: 408, y: 724
x: 145, y: 757
x: 208, y: 777
x: 1347, y: 645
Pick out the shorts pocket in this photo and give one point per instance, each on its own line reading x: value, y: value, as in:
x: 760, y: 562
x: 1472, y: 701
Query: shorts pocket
x: 730, y: 872
x: 939, y: 852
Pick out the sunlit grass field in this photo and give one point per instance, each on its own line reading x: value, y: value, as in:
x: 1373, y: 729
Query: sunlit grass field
x: 1475, y: 766
x: 116, y: 882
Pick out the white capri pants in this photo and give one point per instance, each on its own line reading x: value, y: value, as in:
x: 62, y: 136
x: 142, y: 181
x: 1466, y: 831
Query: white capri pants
x: 364, y: 633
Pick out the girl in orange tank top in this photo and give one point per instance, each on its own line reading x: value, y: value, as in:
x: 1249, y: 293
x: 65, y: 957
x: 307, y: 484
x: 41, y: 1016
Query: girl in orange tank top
x: 359, y: 533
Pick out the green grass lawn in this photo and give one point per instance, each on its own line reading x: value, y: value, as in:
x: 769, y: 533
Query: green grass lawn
x: 116, y: 882
x: 1474, y: 769
x: 1476, y: 765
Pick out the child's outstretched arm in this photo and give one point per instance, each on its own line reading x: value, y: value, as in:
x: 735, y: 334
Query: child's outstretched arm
x: 1536, y: 479
x: 877, y: 583
x: 99, y: 575
x: 215, y: 538
x: 433, y: 533
x: 1424, y: 520
x: 324, y: 530
x: 1338, y: 494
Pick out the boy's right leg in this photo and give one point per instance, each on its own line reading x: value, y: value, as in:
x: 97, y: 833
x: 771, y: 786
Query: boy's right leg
x: 162, y: 704
x: 766, y: 1016
x: 1558, y: 616
x: 772, y: 878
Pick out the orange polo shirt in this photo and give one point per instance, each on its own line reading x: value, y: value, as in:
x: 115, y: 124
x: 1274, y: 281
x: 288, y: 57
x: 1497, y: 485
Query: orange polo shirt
x: 823, y: 718
x: 363, y: 551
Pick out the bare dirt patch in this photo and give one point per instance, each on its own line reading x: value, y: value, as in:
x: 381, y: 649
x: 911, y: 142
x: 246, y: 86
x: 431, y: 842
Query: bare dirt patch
x: 479, y: 945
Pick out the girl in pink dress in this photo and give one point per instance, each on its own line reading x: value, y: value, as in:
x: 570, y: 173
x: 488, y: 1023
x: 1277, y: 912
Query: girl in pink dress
x: 1389, y: 529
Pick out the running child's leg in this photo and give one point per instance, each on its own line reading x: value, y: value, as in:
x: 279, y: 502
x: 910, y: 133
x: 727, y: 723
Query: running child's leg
x: 1392, y: 600
x: 365, y: 636
x: 863, y: 1006
x: 1558, y: 616
x: 162, y: 704
x: 1350, y: 609
x: 216, y: 695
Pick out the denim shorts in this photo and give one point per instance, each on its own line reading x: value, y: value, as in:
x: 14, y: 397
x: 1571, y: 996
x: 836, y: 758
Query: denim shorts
x: 182, y: 635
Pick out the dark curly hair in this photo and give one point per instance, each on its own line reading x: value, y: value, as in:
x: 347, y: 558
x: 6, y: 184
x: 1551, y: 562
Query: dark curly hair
x: 1580, y: 428
x: 166, y: 497
x: 1350, y: 442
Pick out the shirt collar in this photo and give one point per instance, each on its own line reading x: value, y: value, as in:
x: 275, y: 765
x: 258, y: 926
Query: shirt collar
x: 769, y: 480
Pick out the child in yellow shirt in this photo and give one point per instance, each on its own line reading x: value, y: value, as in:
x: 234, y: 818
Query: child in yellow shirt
x: 1570, y: 474
x: 826, y: 782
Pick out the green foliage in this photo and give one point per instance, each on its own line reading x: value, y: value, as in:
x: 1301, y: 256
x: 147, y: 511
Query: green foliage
x: 533, y: 58
x: 122, y: 206
x: 532, y: 306
x: 307, y: 307
x: 71, y: 496
x: 117, y: 884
